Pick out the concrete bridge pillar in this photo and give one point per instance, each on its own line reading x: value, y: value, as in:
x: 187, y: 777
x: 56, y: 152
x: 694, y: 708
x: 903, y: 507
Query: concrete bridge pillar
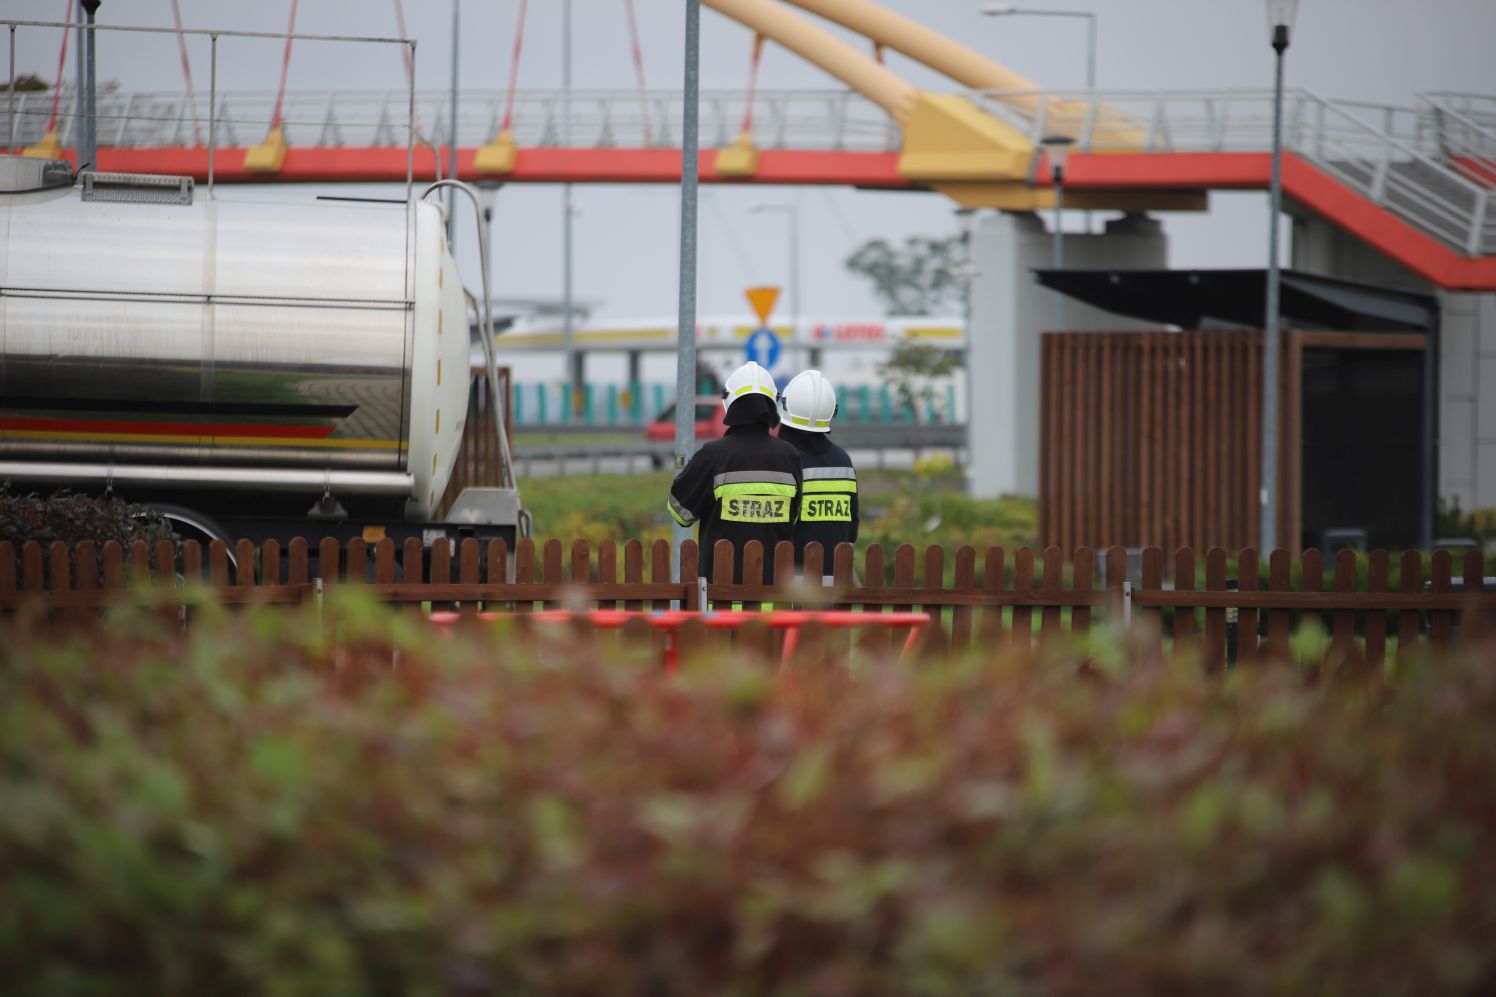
x: 1009, y: 310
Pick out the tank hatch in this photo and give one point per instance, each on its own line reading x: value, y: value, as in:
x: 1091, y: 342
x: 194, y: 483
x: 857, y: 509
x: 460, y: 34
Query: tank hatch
x: 22, y: 174
x: 139, y: 188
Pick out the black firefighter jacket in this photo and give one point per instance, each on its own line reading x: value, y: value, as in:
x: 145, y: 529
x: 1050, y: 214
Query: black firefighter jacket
x: 828, y: 503
x: 745, y: 486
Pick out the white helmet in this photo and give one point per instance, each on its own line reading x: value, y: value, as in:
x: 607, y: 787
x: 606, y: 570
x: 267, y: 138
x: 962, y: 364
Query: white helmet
x: 746, y: 380
x: 809, y: 402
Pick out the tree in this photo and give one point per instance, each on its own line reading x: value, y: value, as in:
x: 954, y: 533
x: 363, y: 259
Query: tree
x: 919, y: 279
x: 911, y: 369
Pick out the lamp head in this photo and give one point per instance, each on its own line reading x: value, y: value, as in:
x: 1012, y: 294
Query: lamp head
x: 1280, y: 17
x: 1057, y: 147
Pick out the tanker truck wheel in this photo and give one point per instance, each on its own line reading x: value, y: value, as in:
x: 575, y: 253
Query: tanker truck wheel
x: 189, y: 524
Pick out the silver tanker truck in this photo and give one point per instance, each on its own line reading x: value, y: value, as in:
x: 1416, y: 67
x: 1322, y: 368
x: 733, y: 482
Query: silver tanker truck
x: 254, y: 369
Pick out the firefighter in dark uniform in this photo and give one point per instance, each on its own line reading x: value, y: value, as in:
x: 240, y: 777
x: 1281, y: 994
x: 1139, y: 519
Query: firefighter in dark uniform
x: 745, y: 486
x: 828, y: 506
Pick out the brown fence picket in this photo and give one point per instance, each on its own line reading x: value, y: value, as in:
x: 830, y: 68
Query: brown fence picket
x: 1215, y: 618
x: 244, y: 571
x: 1312, y: 579
x: 86, y: 558
x: 992, y: 582
x: 753, y: 572
x: 581, y: 563
x: 964, y: 580
x: 1440, y: 620
x: 218, y: 563
x: 1184, y: 581
x: 551, y: 568
x: 724, y: 564
x: 440, y: 570
x: 607, y: 570
x: 60, y: 579
x: 933, y: 642
x: 329, y: 561
x: 1343, y: 621
x: 298, y: 562
x: 1473, y: 621
x: 497, y: 570
x: 1279, y: 569
x: 1082, y: 580
x: 8, y: 556
x: 1153, y: 580
x: 33, y: 568
x: 659, y: 569
x: 384, y: 562
x: 1247, y: 580
x: 524, y: 571
x: 690, y: 573
x: 1376, y: 619
x: 1023, y: 586
x: 844, y: 577
x: 470, y: 571
x: 633, y: 571
x: 1054, y: 581
x: 270, y: 562
x: 140, y: 564
x: 1408, y: 623
x: 873, y: 580
x: 813, y: 569
x: 1114, y: 576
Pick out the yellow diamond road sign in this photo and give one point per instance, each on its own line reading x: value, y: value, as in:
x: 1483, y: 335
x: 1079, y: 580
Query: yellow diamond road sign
x: 762, y: 299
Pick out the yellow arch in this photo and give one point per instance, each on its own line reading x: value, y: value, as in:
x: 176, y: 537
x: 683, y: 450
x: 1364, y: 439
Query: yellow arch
x: 816, y: 45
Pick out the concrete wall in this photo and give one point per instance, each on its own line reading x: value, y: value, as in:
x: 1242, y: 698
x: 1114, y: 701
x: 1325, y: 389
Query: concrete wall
x: 1467, y: 354
x: 1009, y: 309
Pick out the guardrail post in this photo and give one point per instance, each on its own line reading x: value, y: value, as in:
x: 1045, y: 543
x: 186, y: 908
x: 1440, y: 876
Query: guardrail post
x: 1475, y: 242
x: 1379, y: 181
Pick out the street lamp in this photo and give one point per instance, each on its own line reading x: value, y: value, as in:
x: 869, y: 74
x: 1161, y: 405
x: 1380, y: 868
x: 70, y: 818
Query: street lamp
x: 1280, y: 14
x: 1008, y: 10
x: 792, y: 215
x: 1057, y: 148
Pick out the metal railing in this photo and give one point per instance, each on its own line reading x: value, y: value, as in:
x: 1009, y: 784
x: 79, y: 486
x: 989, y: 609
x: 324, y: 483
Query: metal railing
x: 1424, y: 164
x: 1378, y: 151
x: 816, y: 119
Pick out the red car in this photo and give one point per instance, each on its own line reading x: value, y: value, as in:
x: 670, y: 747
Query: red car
x: 709, y: 424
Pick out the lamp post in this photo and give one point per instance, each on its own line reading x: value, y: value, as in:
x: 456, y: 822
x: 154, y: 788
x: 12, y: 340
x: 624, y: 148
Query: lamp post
x: 792, y: 215
x: 966, y: 272
x: 1280, y: 15
x: 685, y: 316
x: 1057, y: 148
x: 89, y: 151
x: 1008, y: 10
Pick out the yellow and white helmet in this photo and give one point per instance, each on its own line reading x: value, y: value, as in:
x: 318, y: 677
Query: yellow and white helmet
x: 808, y: 402
x: 747, y: 380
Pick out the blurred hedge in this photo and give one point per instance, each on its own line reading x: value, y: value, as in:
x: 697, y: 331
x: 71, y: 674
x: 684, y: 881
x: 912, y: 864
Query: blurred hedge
x: 255, y: 808
x: 71, y: 518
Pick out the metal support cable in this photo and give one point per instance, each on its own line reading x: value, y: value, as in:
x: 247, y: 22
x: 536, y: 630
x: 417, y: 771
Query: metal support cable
x: 628, y: 6
x: 62, y: 60
x: 519, y: 40
x: 280, y: 93
x: 197, y: 128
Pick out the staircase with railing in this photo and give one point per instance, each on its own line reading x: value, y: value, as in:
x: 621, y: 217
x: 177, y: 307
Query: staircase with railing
x: 1414, y: 162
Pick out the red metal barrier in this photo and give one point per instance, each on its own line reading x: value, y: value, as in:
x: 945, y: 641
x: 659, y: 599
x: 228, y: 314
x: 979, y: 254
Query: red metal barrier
x: 670, y: 621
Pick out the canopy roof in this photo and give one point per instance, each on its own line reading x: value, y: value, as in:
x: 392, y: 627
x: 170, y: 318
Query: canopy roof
x: 1204, y: 299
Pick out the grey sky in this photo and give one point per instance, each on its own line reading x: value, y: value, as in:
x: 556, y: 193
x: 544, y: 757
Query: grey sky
x: 1373, y: 50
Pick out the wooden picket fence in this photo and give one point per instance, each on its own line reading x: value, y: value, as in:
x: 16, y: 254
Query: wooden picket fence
x: 991, y: 597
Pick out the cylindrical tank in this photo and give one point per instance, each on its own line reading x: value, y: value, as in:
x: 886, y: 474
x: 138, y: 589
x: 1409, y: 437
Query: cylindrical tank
x: 295, y: 336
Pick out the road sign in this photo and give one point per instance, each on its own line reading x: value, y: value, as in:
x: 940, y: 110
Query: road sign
x: 763, y: 348
x: 762, y: 299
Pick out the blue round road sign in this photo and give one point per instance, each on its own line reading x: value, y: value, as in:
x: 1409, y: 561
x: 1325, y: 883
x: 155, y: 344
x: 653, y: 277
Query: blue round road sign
x: 763, y: 348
